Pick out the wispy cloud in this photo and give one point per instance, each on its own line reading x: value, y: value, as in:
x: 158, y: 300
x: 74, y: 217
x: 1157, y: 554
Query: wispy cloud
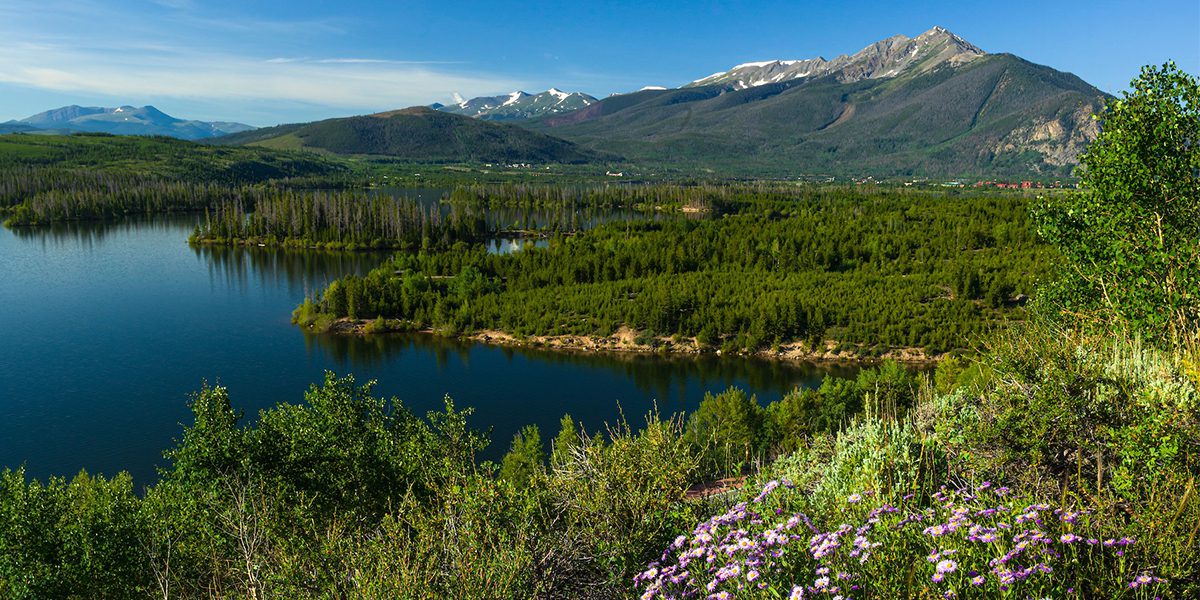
x: 156, y: 70
x: 87, y: 49
x: 357, y: 61
x: 175, y: 4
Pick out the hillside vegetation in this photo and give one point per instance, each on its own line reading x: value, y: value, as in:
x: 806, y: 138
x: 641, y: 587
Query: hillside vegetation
x: 418, y: 134
x: 159, y: 158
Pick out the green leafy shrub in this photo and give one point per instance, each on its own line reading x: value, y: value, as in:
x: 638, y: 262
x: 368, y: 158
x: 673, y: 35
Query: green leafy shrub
x: 1131, y: 241
x: 73, y: 539
x: 729, y: 431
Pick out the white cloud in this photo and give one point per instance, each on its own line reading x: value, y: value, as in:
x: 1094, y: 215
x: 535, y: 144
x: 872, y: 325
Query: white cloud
x: 346, y: 83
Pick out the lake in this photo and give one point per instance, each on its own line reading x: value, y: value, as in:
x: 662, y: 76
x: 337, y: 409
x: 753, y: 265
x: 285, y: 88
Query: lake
x: 107, y: 329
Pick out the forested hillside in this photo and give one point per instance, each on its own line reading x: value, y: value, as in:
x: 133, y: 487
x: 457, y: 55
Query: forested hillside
x: 418, y: 134
x: 160, y: 158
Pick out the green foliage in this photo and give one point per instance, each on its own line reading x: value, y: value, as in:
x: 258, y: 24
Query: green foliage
x: 728, y: 430
x: 525, y: 458
x: 565, y: 443
x: 351, y: 452
x: 1093, y: 413
x: 166, y: 158
x: 621, y: 497
x: 420, y: 134
x: 480, y: 541
x: 271, y: 509
x: 887, y: 389
x: 1096, y: 416
x: 334, y: 220
x: 868, y: 269
x: 1131, y: 243
x: 76, y: 539
x: 309, y: 316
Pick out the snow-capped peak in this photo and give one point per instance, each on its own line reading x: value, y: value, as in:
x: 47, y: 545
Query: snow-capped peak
x: 513, y: 98
x: 520, y: 104
x: 755, y: 64
x: 887, y: 58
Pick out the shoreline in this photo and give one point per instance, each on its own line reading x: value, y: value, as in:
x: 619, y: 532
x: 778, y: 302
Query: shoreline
x: 624, y: 341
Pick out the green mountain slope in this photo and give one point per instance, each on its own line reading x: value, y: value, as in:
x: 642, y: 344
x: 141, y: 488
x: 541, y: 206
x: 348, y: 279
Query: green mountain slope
x: 995, y: 114
x: 160, y: 157
x: 419, y: 134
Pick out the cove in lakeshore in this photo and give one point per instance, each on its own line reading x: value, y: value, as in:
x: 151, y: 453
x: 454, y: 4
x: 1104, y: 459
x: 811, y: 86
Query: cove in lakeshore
x: 108, y: 327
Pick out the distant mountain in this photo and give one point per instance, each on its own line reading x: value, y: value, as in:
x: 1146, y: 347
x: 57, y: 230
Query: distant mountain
x: 16, y: 127
x: 931, y: 105
x: 420, y: 134
x: 888, y: 58
x: 128, y: 120
x: 519, y: 105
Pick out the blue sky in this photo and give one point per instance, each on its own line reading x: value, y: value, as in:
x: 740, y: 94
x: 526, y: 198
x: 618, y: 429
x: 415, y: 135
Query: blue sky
x: 266, y: 62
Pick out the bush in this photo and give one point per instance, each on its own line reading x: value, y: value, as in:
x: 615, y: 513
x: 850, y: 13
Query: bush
x: 525, y: 458
x: 728, y: 432
x: 1131, y: 241
x: 74, y: 539
x: 1074, y: 410
x: 621, y: 499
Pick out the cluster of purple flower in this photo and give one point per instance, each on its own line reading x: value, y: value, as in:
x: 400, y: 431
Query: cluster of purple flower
x: 758, y: 545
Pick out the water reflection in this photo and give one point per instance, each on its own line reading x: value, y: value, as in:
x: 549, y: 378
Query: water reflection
x: 654, y: 375
x: 510, y: 245
x: 87, y: 235
x: 564, y: 218
x: 300, y: 272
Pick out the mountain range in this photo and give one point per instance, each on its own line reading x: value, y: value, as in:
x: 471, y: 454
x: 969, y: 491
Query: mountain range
x: 122, y: 120
x: 888, y: 58
x: 519, y: 105
x: 419, y: 134
x: 930, y: 105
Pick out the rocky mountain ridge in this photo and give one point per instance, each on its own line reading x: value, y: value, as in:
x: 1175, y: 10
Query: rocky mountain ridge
x: 519, y: 105
x: 886, y: 58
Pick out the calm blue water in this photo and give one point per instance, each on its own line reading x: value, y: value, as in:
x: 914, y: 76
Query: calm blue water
x: 105, y: 329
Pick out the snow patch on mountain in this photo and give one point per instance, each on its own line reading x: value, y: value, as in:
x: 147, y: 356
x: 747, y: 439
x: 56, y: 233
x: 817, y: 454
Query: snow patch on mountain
x: 887, y: 58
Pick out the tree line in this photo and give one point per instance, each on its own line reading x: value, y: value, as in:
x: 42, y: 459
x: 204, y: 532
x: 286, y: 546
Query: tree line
x: 334, y: 220
x: 38, y: 196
